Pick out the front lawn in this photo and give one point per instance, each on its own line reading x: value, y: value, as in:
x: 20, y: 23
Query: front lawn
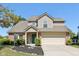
x: 76, y: 46
x: 7, y: 48
x: 7, y: 51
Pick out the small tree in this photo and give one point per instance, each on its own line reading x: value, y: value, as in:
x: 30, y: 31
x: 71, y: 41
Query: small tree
x: 78, y: 32
x: 8, y: 18
x: 78, y: 35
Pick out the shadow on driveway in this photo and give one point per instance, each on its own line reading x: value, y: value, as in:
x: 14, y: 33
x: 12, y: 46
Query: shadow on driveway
x: 30, y: 49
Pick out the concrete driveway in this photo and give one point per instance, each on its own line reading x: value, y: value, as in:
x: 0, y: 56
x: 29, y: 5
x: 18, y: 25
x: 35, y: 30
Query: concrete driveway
x: 59, y: 50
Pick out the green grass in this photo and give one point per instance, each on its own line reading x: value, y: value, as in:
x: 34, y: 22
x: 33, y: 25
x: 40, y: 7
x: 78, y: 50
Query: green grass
x: 76, y: 46
x: 7, y: 51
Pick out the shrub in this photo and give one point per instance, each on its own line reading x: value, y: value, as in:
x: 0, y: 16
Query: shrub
x: 20, y: 41
x: 1, y: 41
x: 69, y: 42
x: 78, y: 42
x: 6, y: 42
x: 1, y: 47
x: 11, y: 42
x: 38, y: 42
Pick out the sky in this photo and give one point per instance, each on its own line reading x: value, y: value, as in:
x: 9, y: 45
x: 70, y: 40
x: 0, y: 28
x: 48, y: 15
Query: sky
x: 69, y: 12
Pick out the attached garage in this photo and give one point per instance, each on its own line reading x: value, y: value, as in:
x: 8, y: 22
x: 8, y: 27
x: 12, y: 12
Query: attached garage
x: 53, y: 38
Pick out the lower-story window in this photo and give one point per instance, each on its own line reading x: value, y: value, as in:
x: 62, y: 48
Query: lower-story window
x: 16, y: 36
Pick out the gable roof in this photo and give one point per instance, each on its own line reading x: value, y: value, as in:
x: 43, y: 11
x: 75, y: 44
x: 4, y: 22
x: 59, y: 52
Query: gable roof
x: 19, y: 27
x: 22, y: 26
x: 30, y: 27
x: 35, y: 18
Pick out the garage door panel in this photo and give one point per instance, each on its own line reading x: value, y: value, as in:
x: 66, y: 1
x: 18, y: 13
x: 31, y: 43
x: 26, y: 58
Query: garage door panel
x: 53, y: 36
x: 53, y: 39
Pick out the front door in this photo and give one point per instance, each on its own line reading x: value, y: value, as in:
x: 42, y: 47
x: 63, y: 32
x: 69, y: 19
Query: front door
x: 33, y: 38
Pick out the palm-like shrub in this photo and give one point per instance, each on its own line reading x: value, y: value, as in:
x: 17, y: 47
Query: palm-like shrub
x: 38, y: 42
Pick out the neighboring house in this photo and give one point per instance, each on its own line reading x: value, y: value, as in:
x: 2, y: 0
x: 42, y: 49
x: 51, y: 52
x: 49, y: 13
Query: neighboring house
x: 51, y: 30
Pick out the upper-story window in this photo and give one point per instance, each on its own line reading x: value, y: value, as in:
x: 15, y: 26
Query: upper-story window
x: 45, y: 24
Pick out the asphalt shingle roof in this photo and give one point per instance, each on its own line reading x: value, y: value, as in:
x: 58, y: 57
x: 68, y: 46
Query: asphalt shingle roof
x: 55, y: 29
x: 34, y: 18
x: 19, y: 27
x: 23, y: 25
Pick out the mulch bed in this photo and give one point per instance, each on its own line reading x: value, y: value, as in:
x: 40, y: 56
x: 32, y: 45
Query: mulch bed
x: 30, y: 49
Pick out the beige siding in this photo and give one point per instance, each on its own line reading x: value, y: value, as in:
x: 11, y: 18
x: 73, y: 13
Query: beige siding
x: 67, y: 36
x: 53, y: 34
x: 45, y: 18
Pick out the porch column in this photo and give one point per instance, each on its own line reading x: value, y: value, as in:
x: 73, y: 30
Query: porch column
x: 40, y: 35
x: 25, y: 38
x: 37, y: 34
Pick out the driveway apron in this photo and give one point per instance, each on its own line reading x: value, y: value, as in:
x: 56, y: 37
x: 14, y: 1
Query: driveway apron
x: 59, y: 50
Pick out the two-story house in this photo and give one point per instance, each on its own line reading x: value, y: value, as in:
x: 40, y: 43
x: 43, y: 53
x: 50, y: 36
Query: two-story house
x: 51, y: 30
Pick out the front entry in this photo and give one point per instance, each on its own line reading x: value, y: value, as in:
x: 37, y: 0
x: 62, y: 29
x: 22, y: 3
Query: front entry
x: 33, y: 38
